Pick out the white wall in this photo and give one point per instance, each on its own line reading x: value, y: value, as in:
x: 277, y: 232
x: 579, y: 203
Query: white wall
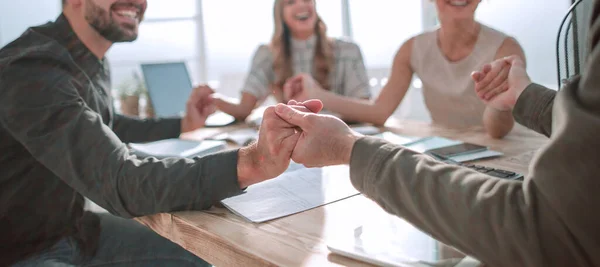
x: 18, y: 15
x: 534, y: 23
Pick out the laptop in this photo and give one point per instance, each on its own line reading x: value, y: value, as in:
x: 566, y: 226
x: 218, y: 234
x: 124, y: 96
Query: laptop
x: 169, y: 87
x: 385, y: 240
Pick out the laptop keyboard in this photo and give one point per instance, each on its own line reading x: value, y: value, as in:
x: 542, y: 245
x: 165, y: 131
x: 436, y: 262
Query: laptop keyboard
x: 499, y: 173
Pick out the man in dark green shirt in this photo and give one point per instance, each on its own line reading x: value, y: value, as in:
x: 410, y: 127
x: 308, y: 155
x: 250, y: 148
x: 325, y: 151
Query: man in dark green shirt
x: 61, y: 141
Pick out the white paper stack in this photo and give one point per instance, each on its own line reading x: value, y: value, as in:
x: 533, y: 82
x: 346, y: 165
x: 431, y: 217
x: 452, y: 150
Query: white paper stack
x: 177, y: 148
x: 297, y: 190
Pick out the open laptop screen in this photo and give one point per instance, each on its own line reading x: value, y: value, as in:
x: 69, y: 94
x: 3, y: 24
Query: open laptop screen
x: 169, y: 87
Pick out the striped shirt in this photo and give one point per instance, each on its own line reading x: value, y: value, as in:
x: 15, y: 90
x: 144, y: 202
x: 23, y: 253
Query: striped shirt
x: 348, y: 77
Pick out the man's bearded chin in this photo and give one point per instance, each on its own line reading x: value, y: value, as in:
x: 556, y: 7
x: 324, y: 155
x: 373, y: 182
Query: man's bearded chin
x: 102, y: 21
x: 116, y: 34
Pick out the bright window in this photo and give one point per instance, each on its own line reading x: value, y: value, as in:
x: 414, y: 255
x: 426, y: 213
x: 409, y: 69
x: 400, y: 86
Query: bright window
x: 169, y: 9
x: 381, y: 26
x: 235, y: 28
x: 534, y: 23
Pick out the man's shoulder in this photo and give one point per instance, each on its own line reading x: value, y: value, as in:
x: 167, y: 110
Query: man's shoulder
x: 33, y: 46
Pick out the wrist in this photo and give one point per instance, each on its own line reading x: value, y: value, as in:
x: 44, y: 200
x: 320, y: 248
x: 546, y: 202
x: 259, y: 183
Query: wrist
x: 347, y: 145
x: 184, y: 125
x: 247, y: 166
x: 217, y: 100
x: 521, y: 87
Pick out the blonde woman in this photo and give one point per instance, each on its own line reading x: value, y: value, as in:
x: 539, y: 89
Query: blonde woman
x: 443, y: 59
x: 299, y: 46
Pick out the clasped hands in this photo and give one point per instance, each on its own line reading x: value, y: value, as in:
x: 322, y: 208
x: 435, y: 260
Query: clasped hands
x: 295, y: 132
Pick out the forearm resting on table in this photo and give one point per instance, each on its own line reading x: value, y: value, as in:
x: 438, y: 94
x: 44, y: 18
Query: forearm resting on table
x: 497, y: 123
x: 355, y: 109
x: 240, y: 110
x: 497, y: 221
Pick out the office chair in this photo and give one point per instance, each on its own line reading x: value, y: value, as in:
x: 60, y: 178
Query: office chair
x: 570, y: 51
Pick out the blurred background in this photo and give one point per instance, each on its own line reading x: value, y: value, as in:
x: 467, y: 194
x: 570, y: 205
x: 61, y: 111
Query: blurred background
x: 217, y: 38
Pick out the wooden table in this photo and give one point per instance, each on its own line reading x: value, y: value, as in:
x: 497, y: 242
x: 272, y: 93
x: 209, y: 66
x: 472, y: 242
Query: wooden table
x: 224, y: 239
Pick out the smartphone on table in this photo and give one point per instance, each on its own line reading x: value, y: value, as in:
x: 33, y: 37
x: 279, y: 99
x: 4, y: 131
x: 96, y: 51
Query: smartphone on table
x: 456, y: 150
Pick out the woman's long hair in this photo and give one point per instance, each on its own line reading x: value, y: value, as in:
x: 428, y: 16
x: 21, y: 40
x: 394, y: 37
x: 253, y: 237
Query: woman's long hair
x: 282, y: 50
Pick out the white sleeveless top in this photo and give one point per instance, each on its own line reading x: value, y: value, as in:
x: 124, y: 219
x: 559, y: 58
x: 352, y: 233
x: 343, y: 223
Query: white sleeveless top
x: 448, y: 90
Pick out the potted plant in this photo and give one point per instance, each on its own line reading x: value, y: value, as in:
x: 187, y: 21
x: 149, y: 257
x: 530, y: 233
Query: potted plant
x: 129, y: 96
x: 146, y: 103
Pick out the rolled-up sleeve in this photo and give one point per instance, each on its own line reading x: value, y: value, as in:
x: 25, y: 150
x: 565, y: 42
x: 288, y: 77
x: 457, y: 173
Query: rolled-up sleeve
x: 534, y: 108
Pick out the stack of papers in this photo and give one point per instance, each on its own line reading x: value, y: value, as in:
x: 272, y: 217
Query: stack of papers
x: 177, y: 148
x: 297, y: 190
x: 240, y: 137
x: 432, y: 143
x: 403, y: 140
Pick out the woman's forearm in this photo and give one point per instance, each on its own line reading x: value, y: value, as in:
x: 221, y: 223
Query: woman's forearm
x: 239, y: 110
x: 354, y: 109
x: 497, y: 123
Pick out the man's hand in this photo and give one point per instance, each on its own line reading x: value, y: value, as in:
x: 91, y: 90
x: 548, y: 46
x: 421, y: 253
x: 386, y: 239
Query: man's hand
x: 500, y: 83
x: 301, y: 87
x: 270, y: 155
x: 199, y: 106
x: 324, y: 140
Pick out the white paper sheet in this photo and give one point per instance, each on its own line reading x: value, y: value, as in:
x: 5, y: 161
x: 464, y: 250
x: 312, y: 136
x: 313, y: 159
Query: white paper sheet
x: 294, y: 191
x: 403, y: 140
x: 432, y: 143
x: 241, y: 137
x: 177, y: 148
x: 219, y: 119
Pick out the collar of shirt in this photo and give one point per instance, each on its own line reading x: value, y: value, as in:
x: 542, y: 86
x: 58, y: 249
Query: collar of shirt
x: 86, y: 60
x: 304, y: 45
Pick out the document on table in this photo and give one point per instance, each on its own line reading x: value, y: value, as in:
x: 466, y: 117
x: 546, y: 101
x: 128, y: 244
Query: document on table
x: 177, y: 148
x: 403, y: 140
x: 241, y: 137
x: 432, y: 143
x: 296, y: 190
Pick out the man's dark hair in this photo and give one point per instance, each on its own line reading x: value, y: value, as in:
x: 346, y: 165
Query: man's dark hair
x: 64, y: 2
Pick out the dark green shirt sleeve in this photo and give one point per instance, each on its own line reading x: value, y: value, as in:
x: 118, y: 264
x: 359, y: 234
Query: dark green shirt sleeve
x: 534, y: 109
x: 133, y: 130
x: 41, y: 107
